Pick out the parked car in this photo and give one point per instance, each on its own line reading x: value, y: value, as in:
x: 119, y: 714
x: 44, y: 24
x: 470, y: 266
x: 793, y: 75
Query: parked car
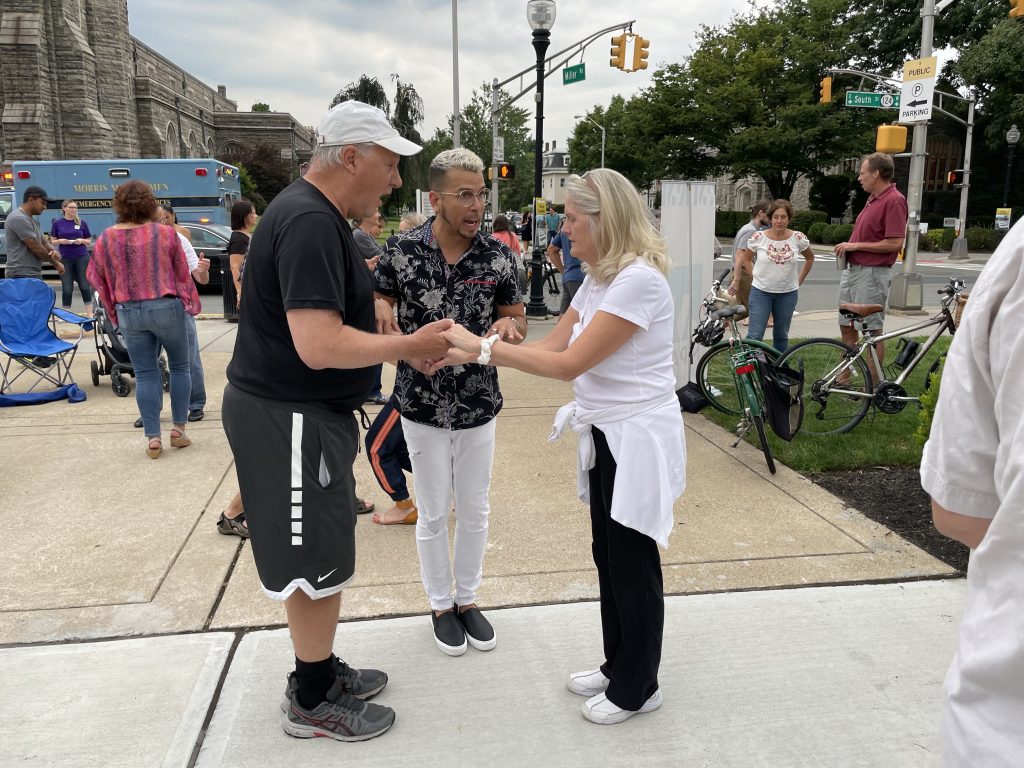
x: 211, y: 241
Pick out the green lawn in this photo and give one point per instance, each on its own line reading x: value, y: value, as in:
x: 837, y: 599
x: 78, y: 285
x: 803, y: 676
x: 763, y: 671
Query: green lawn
x: 879, y: 440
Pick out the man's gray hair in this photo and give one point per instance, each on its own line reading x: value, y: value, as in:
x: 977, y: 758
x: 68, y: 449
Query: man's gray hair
x: 453, y: 159
x: 330, y: 157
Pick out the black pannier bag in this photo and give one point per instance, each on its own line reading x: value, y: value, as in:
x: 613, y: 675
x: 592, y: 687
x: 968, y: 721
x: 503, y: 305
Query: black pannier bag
x: 691, y: 399
x: 783, y: 398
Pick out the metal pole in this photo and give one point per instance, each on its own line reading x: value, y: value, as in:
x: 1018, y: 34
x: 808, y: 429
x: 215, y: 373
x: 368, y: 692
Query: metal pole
x: 494, y: 141
x: 536, y: 307
x: 455, y: 73
x: 907, y: 292
x: 602, y: 146
x: 1011, y: 148
x: 959, y: 252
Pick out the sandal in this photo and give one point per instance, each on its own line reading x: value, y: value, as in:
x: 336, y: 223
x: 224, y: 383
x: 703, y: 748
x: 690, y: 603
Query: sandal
x: 152, y: 452
x: 233, y: 526
x: 362, y: 507
x: 396, y: 516
x: 179, y: 439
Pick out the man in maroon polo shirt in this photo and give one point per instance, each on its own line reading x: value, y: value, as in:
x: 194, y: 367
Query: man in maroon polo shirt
x: 873, y: 246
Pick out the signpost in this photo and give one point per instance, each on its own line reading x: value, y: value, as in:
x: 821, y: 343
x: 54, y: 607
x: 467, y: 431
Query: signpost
x: 872, y: 99
x: 498, y: 149
x: 574, y: 74
x: 918, y: 86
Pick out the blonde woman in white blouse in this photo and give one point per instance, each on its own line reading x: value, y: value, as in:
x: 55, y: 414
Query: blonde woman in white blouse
x: 614, y: 343
x: 777, y: 274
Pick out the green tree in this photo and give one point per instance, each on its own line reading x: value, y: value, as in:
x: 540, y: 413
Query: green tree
x: 268, y: 174
x: 367, y: 90
x: 260, y: 106
x: 751, y: 94
x: 831, y: 193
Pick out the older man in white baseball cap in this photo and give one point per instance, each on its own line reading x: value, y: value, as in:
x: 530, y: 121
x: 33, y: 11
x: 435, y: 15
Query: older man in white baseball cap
x: 303, y: 362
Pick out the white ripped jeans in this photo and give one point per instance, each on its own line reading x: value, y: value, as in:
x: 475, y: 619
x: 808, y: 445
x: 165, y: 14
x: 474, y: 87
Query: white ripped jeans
x: 451, y: 464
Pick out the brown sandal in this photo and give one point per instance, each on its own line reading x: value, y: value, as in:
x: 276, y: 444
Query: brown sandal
x: 154, y: 453
x: 179, y: 439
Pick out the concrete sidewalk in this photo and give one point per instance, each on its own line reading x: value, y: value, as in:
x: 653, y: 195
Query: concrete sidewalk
x: 114, y: 575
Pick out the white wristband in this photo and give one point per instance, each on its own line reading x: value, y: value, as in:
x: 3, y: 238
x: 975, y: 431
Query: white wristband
x: 485, y: 349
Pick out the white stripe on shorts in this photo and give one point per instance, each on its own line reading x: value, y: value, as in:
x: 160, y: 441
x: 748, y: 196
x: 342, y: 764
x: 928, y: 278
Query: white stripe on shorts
x: 297, y: 479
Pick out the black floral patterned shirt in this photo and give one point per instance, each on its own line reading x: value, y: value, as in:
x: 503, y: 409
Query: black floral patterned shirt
x: 413, y: 271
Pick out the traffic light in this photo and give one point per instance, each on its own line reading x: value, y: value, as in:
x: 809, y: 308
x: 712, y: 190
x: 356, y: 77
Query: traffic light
x: 506, y: 171
x: 1016, y: 9
x: 891, y: 139
x: 955, y: 178
x: 640, y: 46
x: 826, y: 90
x: 618, y: 52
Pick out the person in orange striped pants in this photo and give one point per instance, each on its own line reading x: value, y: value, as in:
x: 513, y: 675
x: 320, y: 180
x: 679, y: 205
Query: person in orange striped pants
x: 389, y: 459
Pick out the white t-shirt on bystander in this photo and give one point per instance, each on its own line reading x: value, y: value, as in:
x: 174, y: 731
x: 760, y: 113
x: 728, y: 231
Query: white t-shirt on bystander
x: 641, y: 369
x: 775, y: 261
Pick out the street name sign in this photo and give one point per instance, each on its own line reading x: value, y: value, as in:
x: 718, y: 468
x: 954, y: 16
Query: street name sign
x: 574, y: 74
x: 872, y: 99
x: 918, y: 86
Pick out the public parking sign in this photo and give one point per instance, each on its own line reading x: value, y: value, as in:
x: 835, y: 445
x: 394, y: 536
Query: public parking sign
x: 918, y: 86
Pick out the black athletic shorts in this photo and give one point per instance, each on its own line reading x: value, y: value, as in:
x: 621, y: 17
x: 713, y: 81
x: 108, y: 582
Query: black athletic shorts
x: 295, y: 474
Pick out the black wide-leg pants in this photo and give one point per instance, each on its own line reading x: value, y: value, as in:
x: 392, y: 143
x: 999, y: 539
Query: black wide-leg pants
x: 632, y: 595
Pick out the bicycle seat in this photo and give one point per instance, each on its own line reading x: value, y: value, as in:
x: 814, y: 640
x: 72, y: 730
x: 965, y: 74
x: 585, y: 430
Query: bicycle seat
x: 724, y: 312
x: 860, y: 310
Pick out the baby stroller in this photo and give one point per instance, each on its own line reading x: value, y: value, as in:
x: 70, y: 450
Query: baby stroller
x: 113, y: 357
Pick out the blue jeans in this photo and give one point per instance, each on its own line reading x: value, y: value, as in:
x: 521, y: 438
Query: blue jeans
x: 197, y: 396
x: 780, y: 306
x: 74, y: 271
x: 147, y: 326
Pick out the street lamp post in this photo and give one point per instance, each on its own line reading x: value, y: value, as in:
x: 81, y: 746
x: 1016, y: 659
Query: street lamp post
x: 541, y: 15
x: 590, y: 119
x: 1012, y: 137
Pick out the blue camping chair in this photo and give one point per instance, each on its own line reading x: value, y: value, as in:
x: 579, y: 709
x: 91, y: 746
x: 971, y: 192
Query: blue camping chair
x: 30, y: 344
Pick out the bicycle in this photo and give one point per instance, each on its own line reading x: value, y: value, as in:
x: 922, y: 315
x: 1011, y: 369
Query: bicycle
x: 715, y: 372
x: 840, y: 384
x: 729, y: 373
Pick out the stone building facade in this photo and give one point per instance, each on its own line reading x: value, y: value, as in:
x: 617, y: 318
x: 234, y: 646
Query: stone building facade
x: 75, y: 85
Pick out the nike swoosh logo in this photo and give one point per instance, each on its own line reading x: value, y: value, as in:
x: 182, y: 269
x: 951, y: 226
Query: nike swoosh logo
x: 321, y: 578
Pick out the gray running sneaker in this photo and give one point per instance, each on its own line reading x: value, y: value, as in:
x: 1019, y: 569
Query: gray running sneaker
x: 342, y: 717
x: 362, y: 683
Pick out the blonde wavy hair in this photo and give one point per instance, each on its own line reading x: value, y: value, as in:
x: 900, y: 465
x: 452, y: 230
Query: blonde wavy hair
x: 618, y: 222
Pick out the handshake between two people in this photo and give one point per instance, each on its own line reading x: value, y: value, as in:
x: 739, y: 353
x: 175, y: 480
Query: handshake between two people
x: 444, y: 342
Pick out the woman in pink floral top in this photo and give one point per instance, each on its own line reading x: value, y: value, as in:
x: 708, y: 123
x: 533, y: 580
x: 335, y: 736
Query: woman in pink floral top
x: 777, y: 274
x: 139, y: 270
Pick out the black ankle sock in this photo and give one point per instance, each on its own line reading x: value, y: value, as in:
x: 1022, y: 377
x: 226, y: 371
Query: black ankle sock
x: 315, y: 680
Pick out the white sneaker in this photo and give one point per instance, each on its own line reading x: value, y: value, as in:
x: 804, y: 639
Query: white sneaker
x: 600, y: 710
x: 589, y: 683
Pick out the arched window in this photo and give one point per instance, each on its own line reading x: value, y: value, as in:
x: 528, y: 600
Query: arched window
x: 744, y: 199
x: 193, y: 145
x: 171, y: 148
x: 233, y: 149
x: 210, y: 148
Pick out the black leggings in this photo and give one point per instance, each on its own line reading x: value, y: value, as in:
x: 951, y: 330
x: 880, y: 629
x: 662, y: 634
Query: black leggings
x: 632, y: 594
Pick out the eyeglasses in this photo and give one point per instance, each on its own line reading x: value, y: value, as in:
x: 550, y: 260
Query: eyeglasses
x: 467, y: 198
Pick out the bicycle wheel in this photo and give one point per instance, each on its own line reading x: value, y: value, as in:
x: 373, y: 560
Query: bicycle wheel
x: 765, y: 448
x: 825, y: 363
x: 716, y: 379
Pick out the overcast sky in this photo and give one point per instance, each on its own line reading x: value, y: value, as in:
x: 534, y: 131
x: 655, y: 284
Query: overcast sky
x: 295, y: 55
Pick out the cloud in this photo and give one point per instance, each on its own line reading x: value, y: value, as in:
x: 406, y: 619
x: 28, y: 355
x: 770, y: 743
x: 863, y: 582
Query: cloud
x: 296, y: 55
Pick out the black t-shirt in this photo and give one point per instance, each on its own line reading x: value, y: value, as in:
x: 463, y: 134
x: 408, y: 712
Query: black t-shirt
x: 238, y: 243
x: 302, y: 256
